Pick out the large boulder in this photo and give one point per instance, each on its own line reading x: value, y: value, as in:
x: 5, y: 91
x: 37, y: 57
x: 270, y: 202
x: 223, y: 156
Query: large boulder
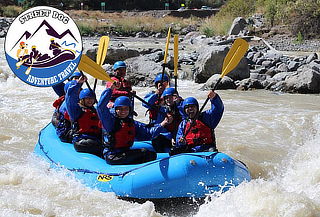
x: 114, y: 54
x: 210, y: 62
x: 142, y: 70
x: 226, y: 83
x: 302, y: 81
x: 249, y: 84
x: 307, y: 81
x: 238, y: 26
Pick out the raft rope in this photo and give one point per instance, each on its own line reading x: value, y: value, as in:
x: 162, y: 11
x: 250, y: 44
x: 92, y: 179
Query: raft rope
x: 122, y: 174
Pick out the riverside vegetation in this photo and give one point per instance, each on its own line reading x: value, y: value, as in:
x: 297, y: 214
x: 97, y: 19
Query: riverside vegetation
x: 301, y: 15
x: 265, y: 67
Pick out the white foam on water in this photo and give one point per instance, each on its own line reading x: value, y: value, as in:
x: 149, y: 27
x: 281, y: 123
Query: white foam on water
x: 292, y: 191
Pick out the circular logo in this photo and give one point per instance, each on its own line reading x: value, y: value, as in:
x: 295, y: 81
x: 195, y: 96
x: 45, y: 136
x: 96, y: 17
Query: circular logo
x: 43, y: 46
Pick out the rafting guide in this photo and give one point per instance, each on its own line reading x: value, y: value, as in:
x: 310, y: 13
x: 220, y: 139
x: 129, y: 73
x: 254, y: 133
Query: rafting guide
x: 43, y: 46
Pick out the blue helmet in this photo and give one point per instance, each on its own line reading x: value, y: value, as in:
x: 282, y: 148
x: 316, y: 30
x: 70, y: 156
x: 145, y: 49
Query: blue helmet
x: 86, y: 93
x: 159, y: 77
x: 170, y: 91
x: 119, y: 64
x: 190, y: 101
x: 122, y: 101
x: 66, y: 86
x: 75, y: 74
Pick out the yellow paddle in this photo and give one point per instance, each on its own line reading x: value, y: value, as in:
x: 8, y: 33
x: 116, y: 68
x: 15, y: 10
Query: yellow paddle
x: 92, y: 68
x: 232, y: 59
x: 235, y: 54
x: 175, y: 61
x: 166, y: 53
x: 101, y: 54
x: 167, y: 46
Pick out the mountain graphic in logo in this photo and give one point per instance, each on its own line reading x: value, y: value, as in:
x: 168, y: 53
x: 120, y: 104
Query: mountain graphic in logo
x: 50, y: 31
x: 43, y: 46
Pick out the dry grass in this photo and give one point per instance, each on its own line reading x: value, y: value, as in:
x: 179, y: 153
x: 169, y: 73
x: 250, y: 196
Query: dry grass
x: 83, y: 14
x: 216, y: 26
x: 126, y: 23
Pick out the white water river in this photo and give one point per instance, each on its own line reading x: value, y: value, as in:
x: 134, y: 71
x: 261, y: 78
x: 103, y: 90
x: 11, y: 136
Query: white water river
x: 276, y: 135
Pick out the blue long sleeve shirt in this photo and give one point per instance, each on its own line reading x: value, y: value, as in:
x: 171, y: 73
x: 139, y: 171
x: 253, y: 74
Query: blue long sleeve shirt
x: 59, y: 89
x: 72, y: 100
x: 142, y: 132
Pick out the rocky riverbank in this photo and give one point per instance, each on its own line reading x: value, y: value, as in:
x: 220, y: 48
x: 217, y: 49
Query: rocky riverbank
x: 267, y: 64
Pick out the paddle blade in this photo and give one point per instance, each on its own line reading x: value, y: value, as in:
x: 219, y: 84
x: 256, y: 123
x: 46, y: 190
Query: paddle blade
x: 235, y: 54
x: 167, y: 46
x: 92, y: 68
x: 175, y: 56
x: 102, y: 49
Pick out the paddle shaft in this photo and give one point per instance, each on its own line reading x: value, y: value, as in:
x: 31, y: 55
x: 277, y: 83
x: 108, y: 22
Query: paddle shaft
x: 232, y: 59
x: 148, y: 104
x: 176, y: 83
x: 166, y: 54
x: 175, y: 61
x: 101, y: 54
x: 142, y: 100
x: 95, y: 85
x: 87, y: 83
x: 214, y: 88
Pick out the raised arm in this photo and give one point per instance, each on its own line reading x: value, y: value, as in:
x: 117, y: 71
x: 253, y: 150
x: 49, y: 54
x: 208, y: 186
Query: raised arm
x: 213, y: 116
x: 107, y: 119
x: 72, y: 100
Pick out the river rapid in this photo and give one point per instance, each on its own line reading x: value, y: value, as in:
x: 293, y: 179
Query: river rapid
x: 277, y: 136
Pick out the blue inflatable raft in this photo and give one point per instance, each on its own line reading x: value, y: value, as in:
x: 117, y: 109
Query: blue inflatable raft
x: 180, y: 176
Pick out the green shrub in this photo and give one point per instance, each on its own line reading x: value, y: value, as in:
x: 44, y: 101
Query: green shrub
x: 207, y: 30
x: 85, y: 28
x: 304, y: 17
x: 299, y: 38
x: 216, y: 26
x: 237, y: 8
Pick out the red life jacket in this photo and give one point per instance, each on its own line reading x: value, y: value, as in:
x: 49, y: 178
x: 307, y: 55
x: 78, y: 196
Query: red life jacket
x: 124, y: 86
x: 89, y: 122
x: 57, y: 103
x: 198, y: 133
x: 153, y: 113
x: 124, y: 134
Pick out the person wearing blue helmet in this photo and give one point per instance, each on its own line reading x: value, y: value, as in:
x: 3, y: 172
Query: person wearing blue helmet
x: 59, y: 88
x: 120, y: 131
x: 123, y: 87
x: 154, y: 97
x: 86, y: 129
x: 172, y: 107
x: 60, y: 115
x: 75, y: 76
x: 60, y: 118
x: 196, y: 132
